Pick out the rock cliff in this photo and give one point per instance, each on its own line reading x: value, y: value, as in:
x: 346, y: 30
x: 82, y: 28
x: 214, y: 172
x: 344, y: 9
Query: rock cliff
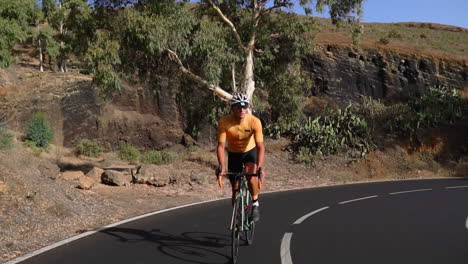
x: 345, y: 73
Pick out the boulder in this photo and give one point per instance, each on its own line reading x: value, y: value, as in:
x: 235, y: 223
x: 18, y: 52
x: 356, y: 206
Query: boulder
x: 95, y: 173
x: 158, y: 176
x: 113, y: 177
x: 49, y: 170
x: 73, y: 163
x: 72, y: 175
x: 3, y: 187
x: 86, y: 182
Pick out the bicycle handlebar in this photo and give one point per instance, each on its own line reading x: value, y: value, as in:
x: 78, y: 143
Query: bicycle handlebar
x: 239, y: 174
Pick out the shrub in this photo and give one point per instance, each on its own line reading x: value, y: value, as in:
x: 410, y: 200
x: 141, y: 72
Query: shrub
x: 6, y: 139
x: 157, y: 157
x: 35, y: 149
x: 129, y: 152
x: 336, y: 130
x: 437, y: 105
x: 394, y: 34
x: 90, y: 148
x: 39, y: 130
x: 383, y: 41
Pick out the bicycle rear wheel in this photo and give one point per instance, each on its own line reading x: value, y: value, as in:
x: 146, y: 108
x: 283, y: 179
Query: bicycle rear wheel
x: 236, y: 230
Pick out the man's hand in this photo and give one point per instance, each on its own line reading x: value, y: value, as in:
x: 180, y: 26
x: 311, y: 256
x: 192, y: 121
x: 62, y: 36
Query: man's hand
x: 219, y: 174
x: 261, y: 176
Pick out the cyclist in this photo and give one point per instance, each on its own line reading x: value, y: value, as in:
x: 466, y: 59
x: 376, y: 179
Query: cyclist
x: 246, y: 150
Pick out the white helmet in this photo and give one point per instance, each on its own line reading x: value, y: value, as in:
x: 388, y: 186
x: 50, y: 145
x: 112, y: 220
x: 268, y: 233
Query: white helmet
x: 239, y: 98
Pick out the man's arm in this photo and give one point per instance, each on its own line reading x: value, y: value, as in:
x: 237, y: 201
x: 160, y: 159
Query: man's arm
x: 260, y: 154
x: 221, y: 161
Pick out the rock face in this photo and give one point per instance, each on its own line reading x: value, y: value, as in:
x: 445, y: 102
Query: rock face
x: 344, y: 73
x: 135, y: 117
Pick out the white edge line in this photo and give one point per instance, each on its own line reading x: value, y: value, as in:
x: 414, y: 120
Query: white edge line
x: 99, y: 229
x: 359, y: 199
x: 466, y: 223
x: 412, y: 191
x: 300, y: 220
x: 286, y: 249
x: 456, y: 187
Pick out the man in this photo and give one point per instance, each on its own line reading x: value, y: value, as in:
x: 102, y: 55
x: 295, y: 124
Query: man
x: 246, y: 150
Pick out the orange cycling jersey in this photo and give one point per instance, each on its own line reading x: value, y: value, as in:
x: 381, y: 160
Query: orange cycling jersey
x: 241, y: 135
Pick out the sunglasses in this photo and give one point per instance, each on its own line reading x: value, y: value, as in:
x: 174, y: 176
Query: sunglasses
x: 241, y: 106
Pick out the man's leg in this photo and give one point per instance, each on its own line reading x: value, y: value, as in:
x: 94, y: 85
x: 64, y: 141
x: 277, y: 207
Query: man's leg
x: 253, y: 187
x: 253, y: 181
x: 235, y: 189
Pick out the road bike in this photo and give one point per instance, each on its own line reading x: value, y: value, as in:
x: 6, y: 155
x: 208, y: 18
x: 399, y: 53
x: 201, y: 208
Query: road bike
x: 242, y: 222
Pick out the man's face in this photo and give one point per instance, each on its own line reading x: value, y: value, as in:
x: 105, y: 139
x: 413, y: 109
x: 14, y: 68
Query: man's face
x: 240, y: 110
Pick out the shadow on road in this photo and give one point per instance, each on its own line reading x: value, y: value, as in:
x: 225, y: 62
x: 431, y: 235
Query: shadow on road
x: 190, y: 247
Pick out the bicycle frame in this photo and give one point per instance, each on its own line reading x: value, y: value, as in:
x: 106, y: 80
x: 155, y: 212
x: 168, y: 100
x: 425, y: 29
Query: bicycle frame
x: 244, y: 195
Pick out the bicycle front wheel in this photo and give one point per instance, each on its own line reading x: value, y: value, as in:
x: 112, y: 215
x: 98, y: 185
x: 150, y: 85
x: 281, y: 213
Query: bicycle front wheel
x: 236, y: 230
x: 250, y: 224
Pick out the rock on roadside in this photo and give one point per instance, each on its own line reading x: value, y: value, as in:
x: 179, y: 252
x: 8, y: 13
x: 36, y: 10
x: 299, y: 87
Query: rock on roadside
x: 95, y: 173
x: 49, y: 170
x: 86, y: 182
x: 72, y: 175
x: 113, y: 177
x: 158, y: 176
x: 3, y: 187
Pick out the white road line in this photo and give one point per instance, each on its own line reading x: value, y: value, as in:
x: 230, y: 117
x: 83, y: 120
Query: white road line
x: 456, y: 187
x: 359, y: 199
x: 412, y: 191
x: 286, y: 249
x: 68, y: 240
x: 300, y: 220
x: 466, y: 223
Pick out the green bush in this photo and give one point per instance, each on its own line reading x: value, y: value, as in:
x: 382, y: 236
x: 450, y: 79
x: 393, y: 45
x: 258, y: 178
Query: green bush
x: 39, y: 130
x: 383, y: 41
x: 90, y: 148
x: 337, y: 130
x: 129, y: 152
x: 156, y: 157
x: 6, y: 139
x: 35, y: 149
x: 436, y: 106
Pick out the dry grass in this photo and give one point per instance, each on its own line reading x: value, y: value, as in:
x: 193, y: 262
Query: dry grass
x: 419, y: 38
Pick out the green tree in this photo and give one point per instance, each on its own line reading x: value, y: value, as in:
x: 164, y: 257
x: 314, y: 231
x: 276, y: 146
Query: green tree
x: 67, y: 17
x: 47, y: 45
x: 39, y: 130
x: 219, y: 42
x: 15, y: 21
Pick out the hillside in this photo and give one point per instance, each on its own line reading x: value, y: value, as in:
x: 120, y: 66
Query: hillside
x: 42, y: 203
x: 431, y: 39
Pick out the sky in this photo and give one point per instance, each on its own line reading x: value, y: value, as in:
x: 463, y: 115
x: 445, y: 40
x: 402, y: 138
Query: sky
x: 448, y: 12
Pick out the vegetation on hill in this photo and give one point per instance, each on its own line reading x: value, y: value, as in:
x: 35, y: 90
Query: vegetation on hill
x: 424, y: 38
x: 137, y: 40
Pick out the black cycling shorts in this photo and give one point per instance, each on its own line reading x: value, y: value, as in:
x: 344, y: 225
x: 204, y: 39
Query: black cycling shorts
x: 237, y: 160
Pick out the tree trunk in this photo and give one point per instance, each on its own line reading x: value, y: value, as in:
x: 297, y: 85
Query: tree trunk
x: 41, y: 57
x: 248, y: 84
x: 63, y: 67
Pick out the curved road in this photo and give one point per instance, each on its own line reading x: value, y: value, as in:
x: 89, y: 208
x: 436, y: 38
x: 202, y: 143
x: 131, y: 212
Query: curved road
x: 421, y: 221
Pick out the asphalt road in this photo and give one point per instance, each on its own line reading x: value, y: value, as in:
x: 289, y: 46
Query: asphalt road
x: 424, y: 221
